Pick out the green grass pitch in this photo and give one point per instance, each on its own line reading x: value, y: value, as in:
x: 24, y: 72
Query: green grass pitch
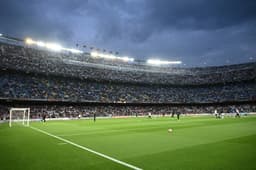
x: 195, y: 143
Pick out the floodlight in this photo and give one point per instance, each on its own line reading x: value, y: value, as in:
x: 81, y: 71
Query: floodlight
x: 1, y: 35
x: 94, y: 54
x: 29, y: 41
x: 40, y: 44
x: 72, y: 50
x: 159, y: 62
x: 127, y: 59
x: 75, y: 51
x: 53, y: 46
x: 109, y: 56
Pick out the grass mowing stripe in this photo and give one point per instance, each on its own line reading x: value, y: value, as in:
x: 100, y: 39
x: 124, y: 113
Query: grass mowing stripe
x: 87, y: 149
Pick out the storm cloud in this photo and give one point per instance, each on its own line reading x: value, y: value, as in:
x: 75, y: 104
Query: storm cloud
x: 198, y: 32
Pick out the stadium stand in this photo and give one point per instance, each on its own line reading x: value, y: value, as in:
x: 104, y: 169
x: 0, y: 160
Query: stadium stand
x: 33, y: 74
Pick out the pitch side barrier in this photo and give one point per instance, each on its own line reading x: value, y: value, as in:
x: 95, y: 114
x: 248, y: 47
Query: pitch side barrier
x: 131, y: 116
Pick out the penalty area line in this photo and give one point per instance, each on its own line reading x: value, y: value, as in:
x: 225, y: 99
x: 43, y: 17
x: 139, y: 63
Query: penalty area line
x: 87, y: 149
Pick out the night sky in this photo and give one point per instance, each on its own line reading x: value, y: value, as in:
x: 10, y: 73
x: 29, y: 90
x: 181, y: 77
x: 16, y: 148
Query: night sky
x: 198, y: 32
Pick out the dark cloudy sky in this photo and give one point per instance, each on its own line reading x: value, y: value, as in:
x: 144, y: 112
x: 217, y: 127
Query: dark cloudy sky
x: 198, y: 32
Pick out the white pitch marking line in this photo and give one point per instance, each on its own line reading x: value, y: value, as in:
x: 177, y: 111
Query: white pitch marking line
x: 87, y: 149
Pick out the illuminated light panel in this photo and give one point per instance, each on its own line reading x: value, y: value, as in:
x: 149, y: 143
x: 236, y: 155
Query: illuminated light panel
x: 51, y: 46
x: 94, y: 54
x: 160, y: 62
x: 29, y: 41
x: 128, y: 59
x: 72, y: 50
x: 110, y: 56
x: 40, y: 44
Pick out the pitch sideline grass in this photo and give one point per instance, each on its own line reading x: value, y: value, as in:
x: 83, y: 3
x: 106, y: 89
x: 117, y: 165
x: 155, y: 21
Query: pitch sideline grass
x: 87, y: 149
x: 195, y: 143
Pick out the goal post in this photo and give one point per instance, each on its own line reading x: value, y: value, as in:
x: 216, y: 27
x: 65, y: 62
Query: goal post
x: 19, y: 115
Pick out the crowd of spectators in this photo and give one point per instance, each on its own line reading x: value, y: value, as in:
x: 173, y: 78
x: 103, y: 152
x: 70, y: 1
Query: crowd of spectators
x: 83, y: 66
x: 56, y: 111
x: 28, y: 86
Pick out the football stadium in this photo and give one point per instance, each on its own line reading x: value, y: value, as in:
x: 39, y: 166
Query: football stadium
x: 75, y: 110
x: 83, y: 106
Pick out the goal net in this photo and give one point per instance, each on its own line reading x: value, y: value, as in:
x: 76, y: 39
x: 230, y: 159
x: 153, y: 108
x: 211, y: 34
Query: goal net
x: 19, y: 115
